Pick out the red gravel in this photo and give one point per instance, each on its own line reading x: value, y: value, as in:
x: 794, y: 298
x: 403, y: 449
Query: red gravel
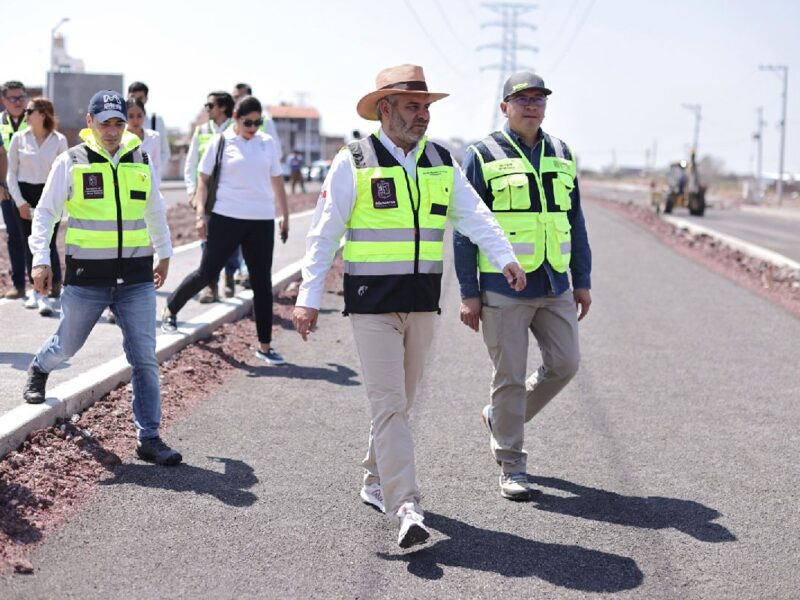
x: 58, y: 468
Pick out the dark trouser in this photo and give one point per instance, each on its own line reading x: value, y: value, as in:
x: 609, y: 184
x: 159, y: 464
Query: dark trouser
x: 16, y: 251
x: 233, y: 263
x: 256, y: 238
x: 31, y: 192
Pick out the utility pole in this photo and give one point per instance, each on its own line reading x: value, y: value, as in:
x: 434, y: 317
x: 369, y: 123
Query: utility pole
x: 785, y: 70
x: 758, y: 136
x: 697, y: 110
x: 510, y: 13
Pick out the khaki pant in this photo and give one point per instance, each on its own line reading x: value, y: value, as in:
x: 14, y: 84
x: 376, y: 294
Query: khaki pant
x: 515, y: 401
x: 392, y: 348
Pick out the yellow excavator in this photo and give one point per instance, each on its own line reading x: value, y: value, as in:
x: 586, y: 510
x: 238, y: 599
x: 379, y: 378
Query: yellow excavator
x: 683, y: 189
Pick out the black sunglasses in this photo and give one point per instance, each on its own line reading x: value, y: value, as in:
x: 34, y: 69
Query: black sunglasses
x: 249, y: 123
x: 30, y: 111
x: 210, y: 105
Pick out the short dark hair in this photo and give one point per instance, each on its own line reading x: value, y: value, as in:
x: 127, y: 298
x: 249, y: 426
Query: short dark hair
x: 138, y: 86
x: 12, y: 85
x: 243, y: 86
x: 225, y: 100
x: 136, y: 102
x: 247, y: 105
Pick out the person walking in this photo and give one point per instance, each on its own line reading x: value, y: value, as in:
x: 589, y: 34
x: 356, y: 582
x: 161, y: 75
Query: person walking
x: 31, y: 154
x: 139, y: 91
x: 12, y: 120
x: 390, y: 195
x: 219, y: 106
x: 116, y: 219
x: 528, y: 179
x: 296, y: 171
x: 243, y: 215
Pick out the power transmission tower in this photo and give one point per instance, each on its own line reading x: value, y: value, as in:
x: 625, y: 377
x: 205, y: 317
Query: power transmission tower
x: 785, y: 71
x: 509, y: 43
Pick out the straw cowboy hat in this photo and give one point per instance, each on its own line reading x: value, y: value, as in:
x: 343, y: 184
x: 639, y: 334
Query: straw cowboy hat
x: 402, y: 79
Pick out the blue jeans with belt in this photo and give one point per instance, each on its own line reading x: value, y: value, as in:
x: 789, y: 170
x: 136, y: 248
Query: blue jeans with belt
x: 134, y: 306
x: 16, y: 250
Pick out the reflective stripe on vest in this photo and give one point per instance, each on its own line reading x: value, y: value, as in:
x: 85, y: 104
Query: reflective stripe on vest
x: 7, y: 129
x: 533, y: 218
x: 397, y: 224
x: 107, y: 207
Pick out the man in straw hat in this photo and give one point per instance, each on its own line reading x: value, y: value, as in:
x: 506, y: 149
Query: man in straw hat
x: 528, y: 178
x: 390, y: 194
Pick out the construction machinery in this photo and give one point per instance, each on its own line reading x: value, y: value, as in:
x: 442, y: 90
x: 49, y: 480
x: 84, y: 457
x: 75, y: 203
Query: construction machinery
x: 683, y: 189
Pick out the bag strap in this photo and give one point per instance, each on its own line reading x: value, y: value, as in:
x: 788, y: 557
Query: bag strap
x: 218, y: 161
x: 153, y: 121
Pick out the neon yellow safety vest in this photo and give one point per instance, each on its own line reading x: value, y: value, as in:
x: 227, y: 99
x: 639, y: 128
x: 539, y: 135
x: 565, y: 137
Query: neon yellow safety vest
x: 393, y: 252
x: 7, y: 129
x: 530, y: 206
x: 106, y: 224
x: 205, y: 133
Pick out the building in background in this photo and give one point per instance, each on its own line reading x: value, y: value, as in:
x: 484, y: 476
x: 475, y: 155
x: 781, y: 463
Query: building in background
x: 299, y: 129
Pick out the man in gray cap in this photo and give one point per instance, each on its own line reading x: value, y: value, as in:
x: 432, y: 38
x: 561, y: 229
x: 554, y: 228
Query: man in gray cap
x: 528, y: 179
x: 116, y: 219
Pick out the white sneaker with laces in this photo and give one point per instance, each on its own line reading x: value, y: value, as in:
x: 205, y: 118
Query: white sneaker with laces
x: 412, y: 529
x: 372, y: 495
x: 514, y: 486
x: 44, y: 305
x: 32, y: 301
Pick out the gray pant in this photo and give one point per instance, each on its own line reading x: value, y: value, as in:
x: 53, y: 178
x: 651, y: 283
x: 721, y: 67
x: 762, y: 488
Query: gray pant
x: 515, y: 401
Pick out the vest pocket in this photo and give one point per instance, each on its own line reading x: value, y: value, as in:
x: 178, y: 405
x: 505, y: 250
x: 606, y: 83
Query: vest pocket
x: 501, y: 194
x: 563, y: 185
x: 511, y: 192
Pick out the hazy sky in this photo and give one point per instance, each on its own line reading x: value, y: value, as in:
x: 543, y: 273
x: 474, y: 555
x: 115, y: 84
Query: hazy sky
x: 620, y: 69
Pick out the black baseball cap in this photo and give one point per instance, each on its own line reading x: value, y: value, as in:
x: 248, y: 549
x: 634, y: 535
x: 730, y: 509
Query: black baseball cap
x: 524, y: 80
x: 108, y: 104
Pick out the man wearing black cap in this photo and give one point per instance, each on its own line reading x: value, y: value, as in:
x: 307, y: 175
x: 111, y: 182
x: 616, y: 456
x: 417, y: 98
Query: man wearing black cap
x: 528, y: 179
x: 116, y: 219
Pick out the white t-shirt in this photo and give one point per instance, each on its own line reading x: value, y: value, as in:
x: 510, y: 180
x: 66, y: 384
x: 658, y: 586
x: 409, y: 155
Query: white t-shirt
x: 245, y: 185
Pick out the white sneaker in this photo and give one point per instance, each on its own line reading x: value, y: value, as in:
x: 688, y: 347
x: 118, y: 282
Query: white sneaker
x: 32, y: 300
x: 372, y: 494
x: 514, y: 486
x: 44, y: 305
x: 412, y: 530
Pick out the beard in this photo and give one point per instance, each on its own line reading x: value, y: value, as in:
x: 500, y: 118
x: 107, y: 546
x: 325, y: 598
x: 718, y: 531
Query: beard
x: 405, y: 131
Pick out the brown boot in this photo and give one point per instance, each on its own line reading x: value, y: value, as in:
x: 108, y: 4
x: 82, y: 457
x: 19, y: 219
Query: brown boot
x: 209, y: 295
x: 15, y: 294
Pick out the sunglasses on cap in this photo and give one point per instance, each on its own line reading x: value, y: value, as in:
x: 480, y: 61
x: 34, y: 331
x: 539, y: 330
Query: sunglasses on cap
x: 249, y: 123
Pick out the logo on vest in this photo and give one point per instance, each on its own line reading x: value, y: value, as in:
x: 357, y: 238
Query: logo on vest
x: 362, y: 289
x: 93, y: 186
x: 384, y: 194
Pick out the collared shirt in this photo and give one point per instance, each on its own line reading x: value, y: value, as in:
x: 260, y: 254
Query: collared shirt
x: 29, y: 162
x: 542, y: 282
x: 161, y: 129
x: 58, y: 189
x: 244, y: 189
x: 193, y: 156
x: 151, y: 145
x: 467, y: 212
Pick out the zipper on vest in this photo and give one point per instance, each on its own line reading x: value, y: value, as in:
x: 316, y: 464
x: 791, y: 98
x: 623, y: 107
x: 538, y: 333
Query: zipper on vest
x: 119, y: 225
x: 415, y: 212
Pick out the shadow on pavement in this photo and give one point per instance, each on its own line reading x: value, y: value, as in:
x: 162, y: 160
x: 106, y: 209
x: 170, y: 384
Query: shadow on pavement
x: 652, y: 512
x: 16, y: 360
x: 510, y: 555
x: 228, y: 487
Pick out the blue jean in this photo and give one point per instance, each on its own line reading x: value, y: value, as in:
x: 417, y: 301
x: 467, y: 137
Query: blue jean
x: 16, y: 250
x: 135, y: 309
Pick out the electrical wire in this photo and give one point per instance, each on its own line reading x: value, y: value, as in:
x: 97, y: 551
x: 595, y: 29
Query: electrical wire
x: 431, y: 40
x: 446, y: 20
x: 573, y: 38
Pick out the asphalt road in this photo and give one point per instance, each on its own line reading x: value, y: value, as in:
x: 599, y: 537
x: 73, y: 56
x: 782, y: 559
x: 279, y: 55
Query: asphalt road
x: 668, y: 467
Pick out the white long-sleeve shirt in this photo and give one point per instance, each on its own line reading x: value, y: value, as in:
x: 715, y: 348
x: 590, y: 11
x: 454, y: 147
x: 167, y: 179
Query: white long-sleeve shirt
x: 467, y: 212
x: 151, y: 144
x: 163, y: 139
x: 58, y: 189
x: 29, y: 162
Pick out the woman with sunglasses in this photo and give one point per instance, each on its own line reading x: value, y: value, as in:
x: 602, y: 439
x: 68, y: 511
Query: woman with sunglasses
x: 248, y: 186
x: 30, y: 156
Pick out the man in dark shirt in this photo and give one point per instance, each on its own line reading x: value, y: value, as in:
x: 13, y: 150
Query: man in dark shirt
x: 528, y: 179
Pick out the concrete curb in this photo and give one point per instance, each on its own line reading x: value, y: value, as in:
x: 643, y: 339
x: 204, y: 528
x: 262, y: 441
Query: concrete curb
x: 779, y: 260
x: 85, y: 389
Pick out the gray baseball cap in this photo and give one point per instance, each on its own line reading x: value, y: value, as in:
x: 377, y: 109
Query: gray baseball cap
x: 524, y: 80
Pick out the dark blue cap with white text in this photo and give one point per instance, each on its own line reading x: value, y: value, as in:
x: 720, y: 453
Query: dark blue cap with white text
x: 108, y: 104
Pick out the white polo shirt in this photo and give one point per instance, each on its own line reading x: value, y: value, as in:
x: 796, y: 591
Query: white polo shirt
x: 245, y: 185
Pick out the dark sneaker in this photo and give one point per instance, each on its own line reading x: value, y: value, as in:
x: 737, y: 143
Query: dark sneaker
x: 270, y: 357
x: 34, y: 388
x: 169, y: 323
x: 230, y: 286
x: 154, y: 450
